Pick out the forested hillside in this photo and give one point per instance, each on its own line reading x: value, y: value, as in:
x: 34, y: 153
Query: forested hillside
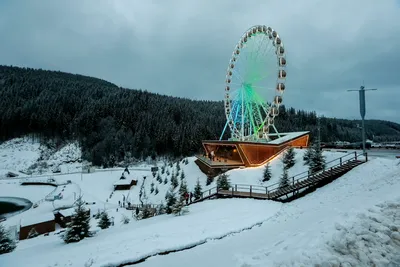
x: 113, y: 123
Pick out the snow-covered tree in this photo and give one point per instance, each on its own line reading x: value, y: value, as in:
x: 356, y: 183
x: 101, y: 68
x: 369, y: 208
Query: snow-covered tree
x: 161, y: 209
x: 79, y: 227
x: 104, y: 221
x: 7, y: 244
x: 284, y: 181
x: 178, y: 167
x: 151, y: 187
x: 308, y: 155
x: 154, y: 174
x: 167, y: 172
x: 32, y: 233
x: 183, y: 189
x: 186, y: 161
x: 146, y: 212
x: 159, y: 179
x: 179, y: 207
x: 166, y: 180
x: 197, y: 190
x: 223, y: 182
x: 267, y: 173
x: 163, y: 169
x: 125, y: 219
x: 171, y: 200
x: 182, y: 175
x: 317, y: 161
x: 156, y: 191
x: 289, y: 158
x: 174, y: 180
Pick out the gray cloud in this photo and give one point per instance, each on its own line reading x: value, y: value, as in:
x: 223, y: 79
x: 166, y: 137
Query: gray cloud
x: 182, y: 48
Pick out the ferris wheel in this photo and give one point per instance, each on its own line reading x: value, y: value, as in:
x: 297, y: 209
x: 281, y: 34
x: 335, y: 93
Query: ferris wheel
x: 256, y: 73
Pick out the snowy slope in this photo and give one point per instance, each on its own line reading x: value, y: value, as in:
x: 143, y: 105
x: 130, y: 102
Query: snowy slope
x: 299, y: 233
x: 18, y: 154
x: 212, y: 219
x: 353, y: 221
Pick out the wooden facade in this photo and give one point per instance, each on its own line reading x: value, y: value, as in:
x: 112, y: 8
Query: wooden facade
x: 41, y: 228
x: 224, y: 155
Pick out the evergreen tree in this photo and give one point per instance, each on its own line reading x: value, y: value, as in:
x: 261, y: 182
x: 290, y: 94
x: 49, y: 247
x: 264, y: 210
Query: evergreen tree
x: 182, y: 175
x: 159, y: 179
x: 146, y: 212
x: 170, y: 164
x: 32, y: 233
x: 161, y: 209
x: 289, y: 158
x: 317, y: 161
x: 166, y: 180
x: 183, y: 189
x: 156, y: 191
x: 104, y: 221
x: 167, y: 172
x: 197, y: 190
x: 308, y: 155
x: 171, y: 200
x: 154, y: 174
x: 151, y: 187
x: 163, y: 169
x: 7, y: 244
x: 178, y: 167
x: 174, y: 181
x: 179, y: 207
x: 125, y: 219
x: 186, y: 161
x: 223, y: 182
x: 267, y: 173
x: 284, y: 182
x: 209, y: 180
x: 79, y: 226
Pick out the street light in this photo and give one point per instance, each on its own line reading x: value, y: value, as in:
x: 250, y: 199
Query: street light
x: 361, y: 93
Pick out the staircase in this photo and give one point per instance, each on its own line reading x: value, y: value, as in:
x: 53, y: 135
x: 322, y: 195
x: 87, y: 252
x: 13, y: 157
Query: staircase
x: 300, y: 184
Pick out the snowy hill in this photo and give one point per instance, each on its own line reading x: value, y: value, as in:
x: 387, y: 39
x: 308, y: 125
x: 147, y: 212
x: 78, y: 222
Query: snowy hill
x: 25, y: 156
x: 322, y: 227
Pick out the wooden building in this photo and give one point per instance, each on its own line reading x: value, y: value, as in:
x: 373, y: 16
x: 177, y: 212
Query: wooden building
x: 124, y: 184
x: 42, y: 224
x: 223, y: 155
x: 63, y: 217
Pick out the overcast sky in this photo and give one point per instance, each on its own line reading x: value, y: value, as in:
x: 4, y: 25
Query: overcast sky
x: 182, y: 48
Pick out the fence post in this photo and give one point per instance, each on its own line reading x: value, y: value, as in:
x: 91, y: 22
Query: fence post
x: 250, y: 190
x: 366, y: 156
x: 293, y: 180
x: 355, y: 155
x: 340, y: 161
x: 236, y: 187
x: 266, y: 190
x: 232, y: 190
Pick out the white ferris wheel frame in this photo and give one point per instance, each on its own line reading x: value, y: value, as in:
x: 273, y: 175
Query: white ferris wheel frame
x: 271, y: 110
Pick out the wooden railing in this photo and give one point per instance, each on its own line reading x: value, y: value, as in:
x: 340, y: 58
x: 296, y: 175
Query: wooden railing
x: 257, y: 190
x: 313, y: 172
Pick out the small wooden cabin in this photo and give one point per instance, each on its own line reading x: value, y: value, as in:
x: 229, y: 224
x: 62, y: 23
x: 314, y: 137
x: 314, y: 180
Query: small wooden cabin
x: 63, y: 217
x: 124, y: 184
x: 42, y: 224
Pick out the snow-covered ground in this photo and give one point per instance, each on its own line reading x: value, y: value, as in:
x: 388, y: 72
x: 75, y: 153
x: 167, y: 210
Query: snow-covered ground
x: 232, y: 232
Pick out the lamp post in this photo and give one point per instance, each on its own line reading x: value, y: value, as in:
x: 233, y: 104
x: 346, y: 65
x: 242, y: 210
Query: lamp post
x: 361, y: 93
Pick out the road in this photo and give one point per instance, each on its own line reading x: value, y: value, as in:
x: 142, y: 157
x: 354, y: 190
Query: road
x: 374, y: 152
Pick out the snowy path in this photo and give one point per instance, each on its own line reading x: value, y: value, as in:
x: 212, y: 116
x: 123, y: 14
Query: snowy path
x: 137, y: 240
x: 299, y: 233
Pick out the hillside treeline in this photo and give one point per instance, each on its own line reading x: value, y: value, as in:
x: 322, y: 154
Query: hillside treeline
x: 113, y: 123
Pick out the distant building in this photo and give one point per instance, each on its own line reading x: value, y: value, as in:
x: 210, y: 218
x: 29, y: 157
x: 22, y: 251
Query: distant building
x: 63, y: 217
x: 124, y: 182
